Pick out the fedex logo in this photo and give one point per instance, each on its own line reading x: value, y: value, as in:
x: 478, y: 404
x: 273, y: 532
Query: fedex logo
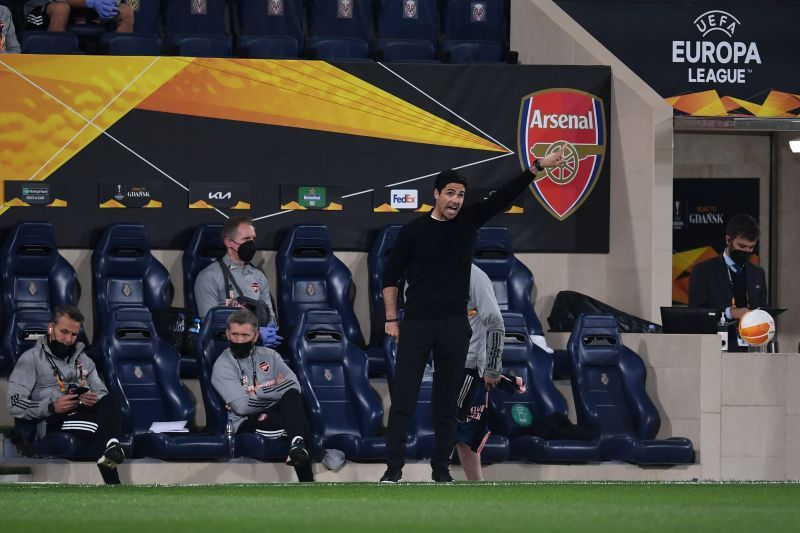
x: 404, y: 198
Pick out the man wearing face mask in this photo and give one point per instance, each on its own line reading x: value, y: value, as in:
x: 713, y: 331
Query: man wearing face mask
x: 730, y: 282
x: 56, y: 384
x: 233, y: 281
x: 261, y: 392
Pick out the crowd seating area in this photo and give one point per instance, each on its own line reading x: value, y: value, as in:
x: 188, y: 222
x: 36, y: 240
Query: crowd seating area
x: 450, y: 31
x: 325, y: 347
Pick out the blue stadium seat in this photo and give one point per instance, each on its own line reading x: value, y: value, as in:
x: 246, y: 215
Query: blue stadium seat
x: 408, y: 30
x: 475, y: 31
x: 147, y: 17
x: 53, y: 445
x: 35, y: 278
x: 344, y: 412
x: 608, y: 385
x: 205, y: 247
x: 203, y: 46
x: 211, y: 343
x: 49, y: 42
x: 376, y: 261
x: 196, y: 29
x: 131, y: 44
x: 143, y: 374
x: 514, y: 412
x: 270, y: 29
x: 125, y: 273
x: 340, y: 29
x: 310, y: 276
x: 512, y: 281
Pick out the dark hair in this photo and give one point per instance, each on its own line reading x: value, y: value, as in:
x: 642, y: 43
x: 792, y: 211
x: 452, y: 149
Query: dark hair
x: 449, y: 176
x: 743, y: 225
x: 243, y: 317
x: 231, y: 226
x: 70, y: 311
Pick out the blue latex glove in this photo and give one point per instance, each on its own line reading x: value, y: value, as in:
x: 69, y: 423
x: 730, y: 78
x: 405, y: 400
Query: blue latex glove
x: 269, y: 335
x: 107, y: 9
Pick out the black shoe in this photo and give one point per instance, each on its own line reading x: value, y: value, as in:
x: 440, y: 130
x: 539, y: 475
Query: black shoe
x: 442, y: 477
x: 113, y: 456
x: 298, y: 455
x: 392, y: 476
x: 110, y: 475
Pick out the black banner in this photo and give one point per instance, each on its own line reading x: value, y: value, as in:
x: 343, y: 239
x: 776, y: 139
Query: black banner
x: 701, y: 210
x: 123, y: 195
x: 231, y: 164
x: 34, y: 193
x: 705, y: 58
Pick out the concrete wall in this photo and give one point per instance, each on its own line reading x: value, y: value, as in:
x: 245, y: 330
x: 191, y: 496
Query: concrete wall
x: 786, y: 239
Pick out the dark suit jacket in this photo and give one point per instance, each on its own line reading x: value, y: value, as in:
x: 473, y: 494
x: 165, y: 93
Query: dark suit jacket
x: 709, y: 285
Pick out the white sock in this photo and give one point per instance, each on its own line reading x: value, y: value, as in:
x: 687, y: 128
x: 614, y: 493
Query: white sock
x: 540, y: 341
x: 111, y: 441
x: 295, y: 439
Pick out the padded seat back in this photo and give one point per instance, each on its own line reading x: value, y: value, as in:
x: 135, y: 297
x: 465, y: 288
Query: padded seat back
x: 205, y: 247
x: 522, y: 358
x: 125, y: 274
x: 143, y: 372
x: 311, y: 277
x: 333, y: 376
x: 609, y: 381
x: 210, y: 344
x: 33, y: 272
x: 190, y: 17
x: 512, y: 281
x: 272, y: 18
x: 35, y: 278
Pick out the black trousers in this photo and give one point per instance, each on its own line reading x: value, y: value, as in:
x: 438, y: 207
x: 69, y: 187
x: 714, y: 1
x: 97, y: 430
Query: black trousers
x: 448, y: 338
x: 287, y: 415
x: 96, y: 424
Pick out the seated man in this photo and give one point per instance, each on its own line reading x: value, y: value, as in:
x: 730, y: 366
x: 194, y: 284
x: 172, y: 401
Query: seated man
x: 481, y: 372
x: 233, y: 281
x: 8, y: 36
x: 56, y: 14
x: 261, y: 392
x: 56, y: 384
x: 730, y: 282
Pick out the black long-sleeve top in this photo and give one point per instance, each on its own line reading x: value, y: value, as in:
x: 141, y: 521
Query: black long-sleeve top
x: 436, y: 255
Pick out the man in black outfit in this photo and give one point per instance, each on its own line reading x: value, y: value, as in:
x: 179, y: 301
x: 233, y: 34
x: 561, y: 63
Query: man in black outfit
x: 435, y: 252
x: 730, y: 282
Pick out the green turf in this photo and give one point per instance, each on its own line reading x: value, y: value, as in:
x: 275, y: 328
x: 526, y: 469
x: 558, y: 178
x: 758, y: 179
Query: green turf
x: 410, y: 508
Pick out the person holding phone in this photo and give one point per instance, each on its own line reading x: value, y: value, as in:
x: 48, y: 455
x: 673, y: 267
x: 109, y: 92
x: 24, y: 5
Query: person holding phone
x: 57, y: 385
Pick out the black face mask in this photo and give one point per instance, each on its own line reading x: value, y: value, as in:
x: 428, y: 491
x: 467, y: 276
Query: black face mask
x: 247, y: 251
x: 59, y: 349
x: 240, y: 350
x: 739, y: 257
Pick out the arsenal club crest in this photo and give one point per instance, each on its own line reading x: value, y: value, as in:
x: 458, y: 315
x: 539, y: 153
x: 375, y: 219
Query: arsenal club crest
x: 604, y: 379
x: 255, y: 287
x: 275, y: 8
x: 410, y: 9
x: 573, y: 121
x: 264, y: 366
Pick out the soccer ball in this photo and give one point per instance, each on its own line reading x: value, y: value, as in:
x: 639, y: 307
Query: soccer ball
x: 756, y: 327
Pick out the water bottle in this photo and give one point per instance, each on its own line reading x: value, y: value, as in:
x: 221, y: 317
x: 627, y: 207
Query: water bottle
x: 195, y: 329
x: 229, y: 435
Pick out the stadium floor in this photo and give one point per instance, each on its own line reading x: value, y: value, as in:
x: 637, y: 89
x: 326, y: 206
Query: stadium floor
x: 421, y: 506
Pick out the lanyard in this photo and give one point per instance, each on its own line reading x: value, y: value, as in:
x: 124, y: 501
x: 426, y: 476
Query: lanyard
x: 244, y: 374
x: 62, y: 381
x: 733, y: 292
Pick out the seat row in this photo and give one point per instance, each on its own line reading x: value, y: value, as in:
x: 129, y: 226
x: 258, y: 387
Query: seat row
x: 35, y: 278
x: 457, y: 31
x: 345, y: 414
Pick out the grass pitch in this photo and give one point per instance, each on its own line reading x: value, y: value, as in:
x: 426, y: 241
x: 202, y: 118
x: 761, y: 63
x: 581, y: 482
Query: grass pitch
x: 408, y: 507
